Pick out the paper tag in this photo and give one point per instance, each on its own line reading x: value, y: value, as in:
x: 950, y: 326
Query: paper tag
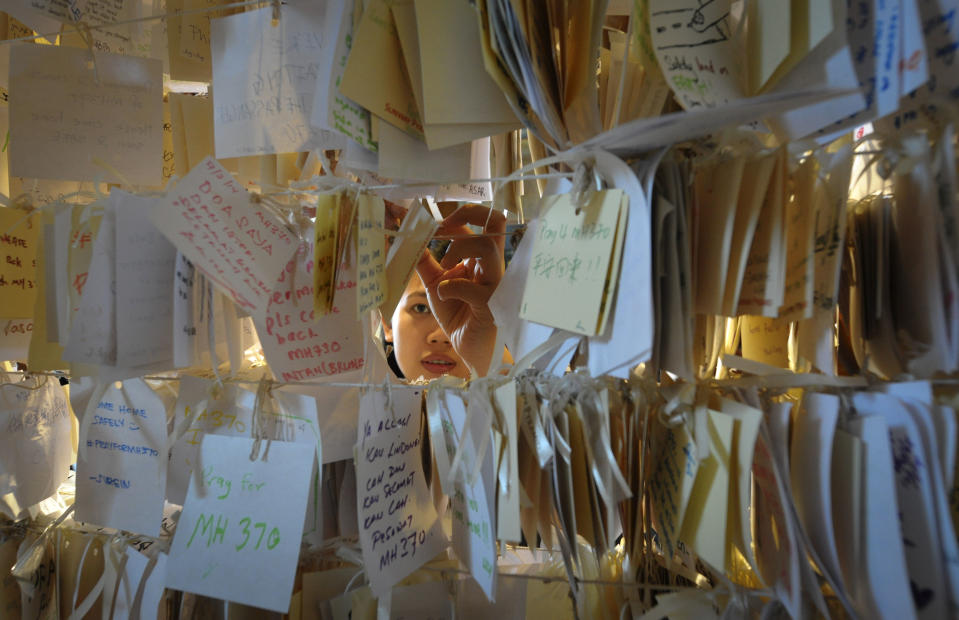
x: 66, y: 113
x: 672, y: 484
x: 35, y: 444
x: 18, y: 252
x: 144, y: 281
x: 298, y: 344
x: 239, y: 246
x: 264, y: 78
x: 325, y: 241
x: 121, y: 473
x: 415, y: 232
x: 15, y: 338
x: 399, y: 528
x: 573, y: 252
x: 370, y: 275
x: 239, y: 534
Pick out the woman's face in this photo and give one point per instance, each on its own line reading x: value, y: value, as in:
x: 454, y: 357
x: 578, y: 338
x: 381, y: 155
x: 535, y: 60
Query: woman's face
x: 419, y: 343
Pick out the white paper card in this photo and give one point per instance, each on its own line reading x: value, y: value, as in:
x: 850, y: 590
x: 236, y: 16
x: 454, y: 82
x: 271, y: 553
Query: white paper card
x: 399, y: 528
x: 66, y: 114
x: 239, y: 246
x: 264, y: 77
x: 121, y: 471
x: 35, y: 446
x: 239, y: 534
x: 144, y: 280
x: 300, y: 346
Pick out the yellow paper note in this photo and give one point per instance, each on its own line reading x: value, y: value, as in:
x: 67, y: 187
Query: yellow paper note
x: 375, y: 76
x: 704, y: 525
x: 569, y: 275
x: 370, y: 272
x: 18, y: 253
x: 765, y: 340
x: 800, y: 245
x: 764, y: 278
x: 672, y: 484
x: 768, y: 39
x: 325, y: 229
x: 716, y: 191
x: 43, y: 354
x: 746, y: 422
x: 193, y: 67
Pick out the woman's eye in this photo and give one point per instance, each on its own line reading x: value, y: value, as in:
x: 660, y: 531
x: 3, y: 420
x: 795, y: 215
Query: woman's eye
x: 420, y: 308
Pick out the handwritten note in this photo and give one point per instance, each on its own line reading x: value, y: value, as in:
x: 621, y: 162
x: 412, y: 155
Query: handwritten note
x: 18, y: 252
x: 65, y: 118
x: 671, y: 485
x: 238, y: 245
x: 238, y: 538
x: 121, y: 470
x: 325, y: 237
x: 370, y: 251
x: 264, y: 78
x: 696, y: 49
x: 298, y: 344
x: 35, y: 446
x: 574, y: 251
x: 144, y: 281
x: 15, y: 338
x: 399, y: 529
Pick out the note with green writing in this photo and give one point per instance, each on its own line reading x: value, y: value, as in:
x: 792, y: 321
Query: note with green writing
x: 570, y: 283
x: 238, y: 538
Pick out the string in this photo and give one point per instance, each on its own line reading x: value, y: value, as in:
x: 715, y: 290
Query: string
x: 137, y: 20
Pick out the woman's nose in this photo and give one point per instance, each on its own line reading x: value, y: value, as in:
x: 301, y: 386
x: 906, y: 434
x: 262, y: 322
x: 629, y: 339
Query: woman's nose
x: 437, y: 336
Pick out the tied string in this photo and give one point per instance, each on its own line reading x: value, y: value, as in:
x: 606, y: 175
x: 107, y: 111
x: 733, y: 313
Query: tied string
x: 258, y: 425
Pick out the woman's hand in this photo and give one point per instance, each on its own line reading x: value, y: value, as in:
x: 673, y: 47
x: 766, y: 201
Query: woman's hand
x: 459, y: 287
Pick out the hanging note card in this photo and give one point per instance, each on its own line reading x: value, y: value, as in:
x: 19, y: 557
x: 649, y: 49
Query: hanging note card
x: 672, y: 484
x: 18, y: 252
x: 236, y: 243
x: 574, y: 253
x: 370, y: 253
x: 35, y: 446
x: 239, y: 534
x: 695, y: 46
x: 144, y: 281
x: 298, y: 344
x: 121, y: 470
x: 399, y: 528
x: 374, y: 75
x: 264, y: 78
x: 71, y: 120
x: 331, y: 108
x: 415, y: 232
x: 325, y: 229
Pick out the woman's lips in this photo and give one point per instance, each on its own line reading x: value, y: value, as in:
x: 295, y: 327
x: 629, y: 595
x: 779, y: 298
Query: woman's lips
x: 438, y: 364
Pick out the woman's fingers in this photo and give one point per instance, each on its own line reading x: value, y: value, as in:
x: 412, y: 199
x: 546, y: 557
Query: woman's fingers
x: 466, y: 291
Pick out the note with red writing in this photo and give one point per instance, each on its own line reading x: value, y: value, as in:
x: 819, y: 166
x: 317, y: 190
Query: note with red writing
x: 121, y: 469
x: 399, y: 529
x: 301, y: 345
x: 237, y: 244
x: 238, y: 538
x: 18, y: 252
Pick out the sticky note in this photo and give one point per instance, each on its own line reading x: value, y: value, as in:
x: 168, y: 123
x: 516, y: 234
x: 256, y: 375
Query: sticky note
x: 569, y: 283
x: 399, y: 528
x: 70, y: 119
x: 264, y: 78
x: 18, y: 252
x: 238, y: 538
x: 238, y: 245
x: 298, y: 344
x: 121, y: 472
x: 370, y: 253
x: 35, y: 447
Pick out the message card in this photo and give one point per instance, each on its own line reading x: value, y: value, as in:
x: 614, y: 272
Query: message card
x: 145, y: 263
x: 69, y: 116
x: 121, y: 469
x: 238, y: 245
x: 18, y: 252
x: 399, y: 529
x: 370, y: 250
x: 264, y: 78
x: 238, y: 538
x: 35, y: 451
x: 574, y: 256
x: 300, y: 345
